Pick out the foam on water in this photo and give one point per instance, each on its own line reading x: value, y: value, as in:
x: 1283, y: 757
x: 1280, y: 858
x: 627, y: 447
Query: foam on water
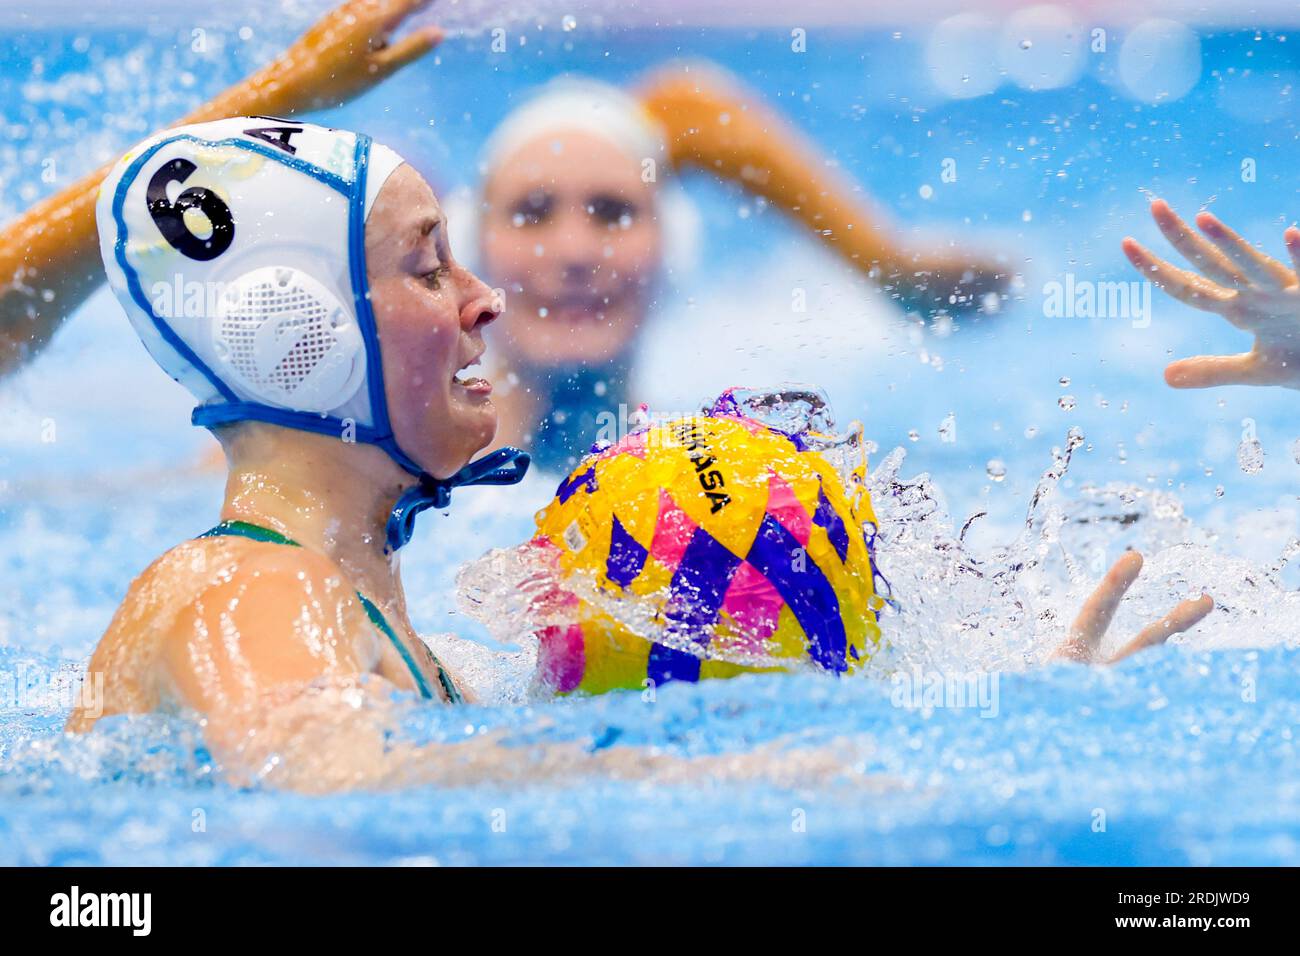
x: 1030, y: 786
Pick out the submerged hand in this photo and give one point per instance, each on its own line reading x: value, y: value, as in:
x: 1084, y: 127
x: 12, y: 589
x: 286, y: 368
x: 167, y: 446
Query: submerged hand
x: 953, y: 281
x: 1084, y: 643
x: 1233, y: 279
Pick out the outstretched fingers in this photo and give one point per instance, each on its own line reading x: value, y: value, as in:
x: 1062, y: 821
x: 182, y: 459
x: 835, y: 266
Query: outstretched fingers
x: 1188, y: 287
x: 1195, y: 248
x: 1207, y: 371
x: 1095, y: 617
x: 1259, y: 268
x: 380, y: 18
x: 1292, y: 239
x: 1186, y: 615
x: 408, y: 49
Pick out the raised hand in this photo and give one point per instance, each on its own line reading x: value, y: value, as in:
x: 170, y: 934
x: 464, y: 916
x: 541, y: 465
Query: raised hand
x: 1084, y: 643
x: 718, y: 126
x: 1232, y: 278
x: 345, y: 53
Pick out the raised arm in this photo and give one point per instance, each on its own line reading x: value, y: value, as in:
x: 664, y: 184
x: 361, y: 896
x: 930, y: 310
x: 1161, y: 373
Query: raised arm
x: 717, y: 125
x: 49, y: 257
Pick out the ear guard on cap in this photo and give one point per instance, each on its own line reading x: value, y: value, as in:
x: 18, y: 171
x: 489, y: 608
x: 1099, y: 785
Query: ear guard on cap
x: 272, y: 213
x: 288, y: 341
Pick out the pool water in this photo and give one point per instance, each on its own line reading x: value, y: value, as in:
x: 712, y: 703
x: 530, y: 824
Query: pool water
x: 1181, y: 755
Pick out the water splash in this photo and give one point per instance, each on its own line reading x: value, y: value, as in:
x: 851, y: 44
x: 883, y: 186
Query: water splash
x: 518, y: 592
x: 960, y: 606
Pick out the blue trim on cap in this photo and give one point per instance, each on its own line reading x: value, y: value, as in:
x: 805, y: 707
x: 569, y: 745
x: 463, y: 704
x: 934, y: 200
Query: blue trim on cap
x: 361, y: 289
x: 225, y: 413
x: 381, y: 423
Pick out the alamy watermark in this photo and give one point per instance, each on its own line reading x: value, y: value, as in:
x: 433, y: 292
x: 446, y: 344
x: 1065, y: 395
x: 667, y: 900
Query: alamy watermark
x: 612, y: 426
x: 32, y: 686
x: 179, y: 297
x: 75, y: 908
x: 1076, y: 298
x: 919, y: 689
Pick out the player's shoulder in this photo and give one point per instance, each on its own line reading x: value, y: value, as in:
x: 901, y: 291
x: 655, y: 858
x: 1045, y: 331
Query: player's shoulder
x: 207, y: 581
x: 256, y: 613
x: 207, y: 563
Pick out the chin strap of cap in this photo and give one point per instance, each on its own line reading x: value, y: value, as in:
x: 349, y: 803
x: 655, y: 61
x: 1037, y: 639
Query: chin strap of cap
x: 505, y: 466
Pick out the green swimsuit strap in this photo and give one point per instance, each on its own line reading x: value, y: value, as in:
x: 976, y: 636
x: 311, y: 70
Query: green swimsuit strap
x: 245, y: 529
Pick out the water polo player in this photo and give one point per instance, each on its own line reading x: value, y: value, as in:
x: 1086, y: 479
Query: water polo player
x: 313, y: 246
x: 580, y: 219
x: 332, y: 362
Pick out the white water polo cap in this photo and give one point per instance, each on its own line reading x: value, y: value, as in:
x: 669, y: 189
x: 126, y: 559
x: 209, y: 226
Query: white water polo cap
x: 237, y: 249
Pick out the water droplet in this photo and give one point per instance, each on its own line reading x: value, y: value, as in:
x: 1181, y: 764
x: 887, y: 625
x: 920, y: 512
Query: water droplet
x: 1065, y: 381
x: 1026, y: 44
x: 1295, y: 450
x: 569, y: 23
x: 1031, y: 431
x: 996, y: 469
x: 1066, y: 402
x: 1218, y: 491
x: 914, y: 435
